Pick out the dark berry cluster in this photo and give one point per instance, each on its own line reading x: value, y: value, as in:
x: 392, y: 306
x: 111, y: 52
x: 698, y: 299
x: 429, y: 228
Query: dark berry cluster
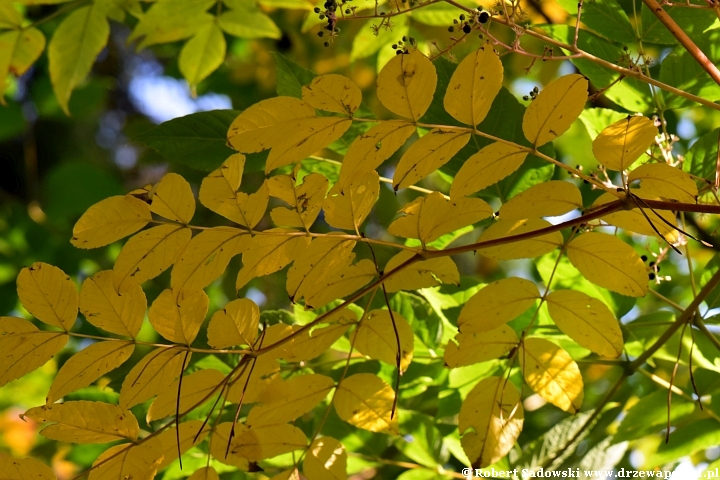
x: 533, y: 93
x: 401, y: 46
x: 466, y: 23
x: 329, y: 14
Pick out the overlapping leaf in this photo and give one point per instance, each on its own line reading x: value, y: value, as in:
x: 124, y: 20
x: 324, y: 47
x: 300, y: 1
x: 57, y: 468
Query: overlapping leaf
x: 285, y: 401
x: 553, y: 111
x: 326, y: 459
x: 49, y: 294
x: 497, y: 304
x: 547, y: 199
x: 619, y: 145
x: 406, y: 85
x: 365, y: 401
x: 266, y: 254
x: 151, y: 375
x: 173, y: 199
x: 333, y: 93
x: 347, y: 207
x: 487, y: 167
x: 195, y: 388
x: 103, y: 307
x: 428, y: 154
x: 660, y: 180
x: 178, y: 319
x: 236, y: 324
x: 480, y: 346
x: 419, y: 274
x: 533, y: 247
x: 305, y: 199
x: 379, y: 335
x: 110, y: 220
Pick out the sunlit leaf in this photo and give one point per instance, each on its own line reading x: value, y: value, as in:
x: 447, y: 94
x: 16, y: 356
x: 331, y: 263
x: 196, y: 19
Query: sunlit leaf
x: 326, y: 459
x: 487, y: 167
x: 267, y: 254
x: 195, y: 388
x: 173, y: 199
x: 480, y: 346
x: 662, y: 181
x: 236, y: 324
x: 139, y: 462
x: 348, y: 207
x: 427, y: 155
x: 285, y: 401
x: 266, y: 441
x: 421, y: 274
x: 497, y: 304
x: 151, y: 375
x: 19, y: 48
x: 406, y: 84
x: 202, y: 54
x: 531, y: 248
x: 48, y: 293
x: 380, y: 333
x: 116, y: 313
x: 548, y: 199
x: 365, y: 401
x: 333, y: 93
x: 110, y: 220
x: 178, y: 319
x: 619, y: 145
x: 305, y: 200
x: 24, y: 468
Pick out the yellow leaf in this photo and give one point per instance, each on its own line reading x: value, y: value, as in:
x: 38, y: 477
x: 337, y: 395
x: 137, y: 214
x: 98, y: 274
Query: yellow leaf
x: 486, y: 167
x: 202, y: 54
x: 148, y: 254
x: 609, y: 262
x: 169, y: 21
x: 219, y: 193
x: 474, y: 85
x: 316, y: 341
x: 195, y: 388
x: 376, y: 338
x: 406, y: 85
x: 555, y: 109
x: 25, y: 347
x: 110, y: 220
x: 24, y: 468
x: 347, y: 207
x: 258, y: 127
x: 293, y: 474
x: 660, y: 180
x: 19, y: 48
x: 86, y: 366
x: 236, y: 324
x: 126, y: 461
x: 619, y: 145
x: 306, y: 200
x: 264, y: 372
x: 85, y: 422
x: 191, y: 433
x: 285, y: 401
x: 324, y: 256
x: 634, y: 221
x: 426, y: 273
x: 304, y: 138
x: 547, y: 199
x: 365, y: 401
x: 205, y: 473
x: 269, y: 253
x: 497, y: 304
x: 373, y: 147
x: 151, y: 375
x: 531, y: 248
x: 10, y: 17
x: 178, y: 319
x: 427, y: 155
x: 326, y: 459
x: 480, y: 346
x: 333, y: 93
x: 219, y: 446
x: 432, y: 216
x: 116, y: 313
x: 73, y: 48
x: 552, y: 374
x: 266, y: 441
x: 494, y: 412
x: 206, y: 258
x: 340, y: 283
x: 586, y: 320
x: 49, y: 294
x: 172, y: 198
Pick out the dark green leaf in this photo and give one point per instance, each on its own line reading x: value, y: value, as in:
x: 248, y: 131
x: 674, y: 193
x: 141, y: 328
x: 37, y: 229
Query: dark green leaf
x: 291, y: 77
x: 692, y: 21
x: 650, y: 415
x: 686, y: 440
x: 701, y: 159
x: 608, y: 19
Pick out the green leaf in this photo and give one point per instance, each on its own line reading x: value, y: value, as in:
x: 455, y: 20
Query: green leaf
x: 291, y: 77
x: 202, y: 54
x: 692, y: 21
x: 426, y: 324
x: 681, y: 70
x: 425, y: 445
x: 369, y: 40
x: 73, y: 49
x: 596, y: 119
x: 198, y: 140
x: 18, y: 51
x: 686, y: 440
x: 608, y: 19
x: 248, y: 22
x: 701, y: 159
x: 650, y: 415
x: 169, y: 21
x: 629, y: 94
x: 439, y: 14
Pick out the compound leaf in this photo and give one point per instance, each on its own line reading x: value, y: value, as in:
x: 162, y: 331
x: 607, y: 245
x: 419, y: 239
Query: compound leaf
x: 660, y: 180
x: 422, y: 274
x: 486, y: 167
x: 267, y: 254
x: 347, y: 207
x: 531, y: 248
x: 202, y: 54
x: 547, y: 199
x: 333, y: 93
x: 236, y: 324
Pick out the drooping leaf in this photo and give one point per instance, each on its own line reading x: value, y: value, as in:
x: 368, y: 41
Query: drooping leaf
x: 26, y: 348
x: 236, y: 324
x: 103, y: 307
x: 206, y: 258
x: 427, y: 155
x: 73, y: 49
x: 218, y: 447
x: 474, y: 85
x: 326, y: 459
x: 547, y: 199
x: 531, y: 248
x: 316, y: 341
x: 151, y: 375
x: 586, y: 320
x: 495, y: 414
x: 701, y: 159
x: 110, y: 220
x: 86, y: 366
x: 19, y: 49
x: 340, y: 283
x: 189, y: 435
x: 267, y: 254
x: 48, y: 294
x: 202, y: 54
x: 634, y: 220
x: 285, y: 401
x: 551, y: 373
x: 178, y: 319
x: 266, y: 441
x: 82, y: 421
x: 486, y: 167
x: 347, y: 207
x: 663, y: 181
x: 305, y: 199
x: 480, y: 346
x: 365, y: 401
x: 650, y: 415
x: 619, y: 145
x: 24, y: 468
x: 609, y: 262
x: 428, y: 218
x: 195, y: 387
x: 319, y: 260
x: 333, y: 93
x: 376, y: 337
x: 406, y: 85
x: 421, y: 274
x: 497, y: 304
